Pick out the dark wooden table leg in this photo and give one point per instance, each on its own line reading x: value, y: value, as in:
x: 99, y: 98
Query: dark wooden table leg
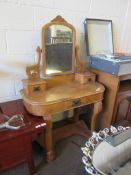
x: 97, y: 109
x: 76, y: 115
x: 29, y: 153
x: 31, y: 165
x: 48, y: 138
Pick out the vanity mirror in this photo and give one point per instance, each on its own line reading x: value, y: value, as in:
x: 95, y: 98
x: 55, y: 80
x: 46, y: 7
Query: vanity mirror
x: 58, y: 48
x: 59, y: 52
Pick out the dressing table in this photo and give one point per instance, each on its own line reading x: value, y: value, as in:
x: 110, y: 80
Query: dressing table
x: 65, y: 84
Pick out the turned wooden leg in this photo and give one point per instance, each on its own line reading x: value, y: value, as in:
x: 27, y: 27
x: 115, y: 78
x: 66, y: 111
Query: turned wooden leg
x: 48, y: 138
x: 76, y: 115
x: 97, y: 109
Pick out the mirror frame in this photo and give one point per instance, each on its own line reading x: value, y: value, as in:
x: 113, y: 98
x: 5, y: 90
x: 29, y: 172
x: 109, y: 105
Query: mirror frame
x: 109, y: 135
x: 58, y: 20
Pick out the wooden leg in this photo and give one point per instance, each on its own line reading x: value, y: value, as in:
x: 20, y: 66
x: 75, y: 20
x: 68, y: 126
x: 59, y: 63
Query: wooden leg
x: 31, y: 166
x: 48, y: 138
x: 97, y: 109
x: 29, y: 153
x: 76, y: 114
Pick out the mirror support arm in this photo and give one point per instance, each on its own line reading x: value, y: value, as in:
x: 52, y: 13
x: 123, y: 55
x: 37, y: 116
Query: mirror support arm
x: 80, y: 64
x: 38, y: 50
x: 33, y: 71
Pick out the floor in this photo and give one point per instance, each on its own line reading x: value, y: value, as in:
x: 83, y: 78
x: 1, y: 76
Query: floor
x: 67, y: 162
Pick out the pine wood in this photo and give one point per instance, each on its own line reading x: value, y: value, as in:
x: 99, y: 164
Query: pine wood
x: 63, y: 92
x: 122, y: 109
x: 63, y: 97
x: 84, y: 77
x: 34, y: 82
x: 79, y: 128
x: 30, y: 86
x: 33, y: 71
x: 60, y: 98
x: 116, y: 105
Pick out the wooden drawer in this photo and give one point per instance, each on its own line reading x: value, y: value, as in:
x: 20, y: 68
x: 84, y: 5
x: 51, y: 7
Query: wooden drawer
x: 62, y: 105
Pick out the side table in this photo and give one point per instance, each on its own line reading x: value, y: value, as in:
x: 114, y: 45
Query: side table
x: 16, y: 145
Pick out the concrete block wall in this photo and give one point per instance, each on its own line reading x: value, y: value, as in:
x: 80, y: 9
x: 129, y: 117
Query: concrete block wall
x: 20, y: 32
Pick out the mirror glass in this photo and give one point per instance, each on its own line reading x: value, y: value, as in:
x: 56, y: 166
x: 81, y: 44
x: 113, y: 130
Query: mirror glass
x: 98, y: 35
x: 58, y: 49
x: 112, y: 158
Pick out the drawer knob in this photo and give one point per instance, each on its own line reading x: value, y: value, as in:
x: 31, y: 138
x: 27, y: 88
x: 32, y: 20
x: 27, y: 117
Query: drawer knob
x: 76, y: 102
x: 36, y: 88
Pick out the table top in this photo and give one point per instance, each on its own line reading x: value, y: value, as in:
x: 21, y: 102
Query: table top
x: 67, y: 91
x: 62, y: 97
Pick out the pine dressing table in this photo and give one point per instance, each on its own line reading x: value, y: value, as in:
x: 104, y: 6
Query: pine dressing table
x: 66, y: 83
